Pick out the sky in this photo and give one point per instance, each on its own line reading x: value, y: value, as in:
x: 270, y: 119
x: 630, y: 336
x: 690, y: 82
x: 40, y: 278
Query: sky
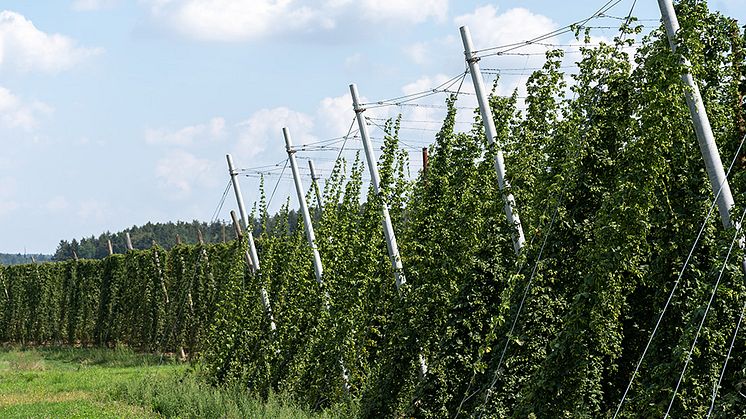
x: 114, y: 113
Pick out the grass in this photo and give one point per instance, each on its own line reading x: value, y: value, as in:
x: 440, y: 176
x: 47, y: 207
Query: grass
x: 189, y: 397
x: 116, y: 383
x: 73, y: 382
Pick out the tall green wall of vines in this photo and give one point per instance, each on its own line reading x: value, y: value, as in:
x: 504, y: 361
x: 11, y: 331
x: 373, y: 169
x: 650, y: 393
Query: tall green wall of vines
x: 612, y: 191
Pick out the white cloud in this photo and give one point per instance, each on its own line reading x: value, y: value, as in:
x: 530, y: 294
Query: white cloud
x: 263, y: 131
x: 424, y: 83
x: 15, y: 113
x: 93, y: 210
x: 217, y: 127
x: 355, y: 61
x: 7, y: 207
x: 179, y: 172
x: 248, y: 20
x: 335, y: 115
x: 418, y: 52
x: 490, y: 29
x: 408, y: 11
x: 26, y: 48
x: 7, y: 100
x: 433, y: 115
x: 229, y: 20
x: 186, y: 136
x: 57, y: 204
x: 8, y: 189
x: 91, y: 5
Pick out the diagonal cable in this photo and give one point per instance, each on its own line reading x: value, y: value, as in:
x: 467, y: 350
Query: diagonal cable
x: 678, y: 280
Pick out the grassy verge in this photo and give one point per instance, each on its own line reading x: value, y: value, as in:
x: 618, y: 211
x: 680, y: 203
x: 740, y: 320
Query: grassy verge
x: 73, y: 382
x: 115, y: 383
x: 186, y: 396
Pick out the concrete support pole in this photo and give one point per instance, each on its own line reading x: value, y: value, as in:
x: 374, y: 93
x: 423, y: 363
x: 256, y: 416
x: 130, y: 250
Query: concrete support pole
x: 253, y: 257
x: 128, y: 241
x: 388, y: 228
x: 309, y: 228
x: 705, y: 137
x: 242, y: 212
x: 519, y: 240
x: 303, y: 206
x: 315, y: 184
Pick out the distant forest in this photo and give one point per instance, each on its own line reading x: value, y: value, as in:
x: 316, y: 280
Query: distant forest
x: 143, y: 237
x: 20, y: 259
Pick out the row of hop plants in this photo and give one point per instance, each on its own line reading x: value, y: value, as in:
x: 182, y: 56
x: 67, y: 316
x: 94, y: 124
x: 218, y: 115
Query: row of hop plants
x: 149, y: 299
x: 611, y: 187
x: 612, y: 191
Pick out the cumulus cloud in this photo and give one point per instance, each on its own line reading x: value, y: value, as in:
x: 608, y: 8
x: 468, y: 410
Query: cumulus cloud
x: 26, y: 48
x: 418, y: 52
x: 179, y: 172
x: 424, y: 83
x: 187, y: 136
x: 16, y: 113
x: 93, y: 210
x: 91, y: 5
x: 335, y: 115
x: 57, y: 204
x: 183, y: 171
x: 8, y: 188
x: 263, y: 131
x: 488, y: 28
x: 230, y: 21
x: 407, y: 11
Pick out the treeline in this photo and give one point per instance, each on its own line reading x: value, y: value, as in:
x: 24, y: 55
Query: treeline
x: 19, y: 259
x: 611, y: 189
x: 165, y: 235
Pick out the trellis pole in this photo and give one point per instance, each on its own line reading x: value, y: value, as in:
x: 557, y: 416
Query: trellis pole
x: 303, y: 207
x: 242, y: 212
x: 705, y: 137
x: 128, y: 241
x: 309, y: 231
x: 375, y: 180
x: 253, y: 259
x: 519, y: 240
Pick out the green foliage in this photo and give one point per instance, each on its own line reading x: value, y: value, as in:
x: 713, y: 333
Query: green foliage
x: 611, y: 189
x: 149, y: 299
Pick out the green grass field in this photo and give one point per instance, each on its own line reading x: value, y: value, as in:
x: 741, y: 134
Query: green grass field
x: 117, y: 383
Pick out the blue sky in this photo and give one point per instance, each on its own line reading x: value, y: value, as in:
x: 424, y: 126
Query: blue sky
x: 115, y: 113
